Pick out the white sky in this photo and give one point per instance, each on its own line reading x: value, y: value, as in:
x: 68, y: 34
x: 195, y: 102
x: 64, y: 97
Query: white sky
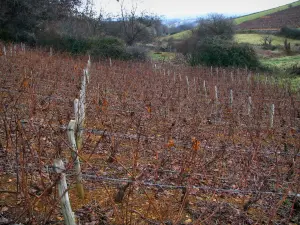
x: 186, y: 8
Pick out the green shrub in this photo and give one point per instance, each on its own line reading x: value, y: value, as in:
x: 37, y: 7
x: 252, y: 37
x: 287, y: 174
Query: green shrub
x: 218, y: 52
x: 108, y: 47
x: 290, y: 32
x: 5, y: 35
x: 136, y: 53
x: 63, y: 43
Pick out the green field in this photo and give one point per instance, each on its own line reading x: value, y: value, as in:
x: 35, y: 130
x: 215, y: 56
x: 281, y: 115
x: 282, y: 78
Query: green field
x: 257, y: 15
x: 281, y: 62
x: 255, y: 39
x: 161, y: 55
x: 178, y: 36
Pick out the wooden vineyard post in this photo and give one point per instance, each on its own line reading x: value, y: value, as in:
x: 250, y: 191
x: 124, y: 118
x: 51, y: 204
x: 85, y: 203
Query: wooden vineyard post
x: 216, y: 95
x: 205, y: 90
x: 63, y: 193
x: 272, y: 113
x: 71, y: 136
x: 249, y: 105
x: 231, y: 98
x: 188, y: 84
x: 4, y: 51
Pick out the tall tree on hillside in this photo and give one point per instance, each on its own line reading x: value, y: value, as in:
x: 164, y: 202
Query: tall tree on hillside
x: 20, y: 18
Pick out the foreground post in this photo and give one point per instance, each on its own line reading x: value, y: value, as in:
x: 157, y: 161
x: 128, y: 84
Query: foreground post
x: 63, y: 193
x: 71, y: 136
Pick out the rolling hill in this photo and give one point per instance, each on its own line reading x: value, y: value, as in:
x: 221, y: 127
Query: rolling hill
x: 286, y: 15
x: 260, y: 14
x: 275, y: 21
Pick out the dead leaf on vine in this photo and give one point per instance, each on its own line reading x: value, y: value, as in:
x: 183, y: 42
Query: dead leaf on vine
x: 26, y: 83
x: 170, y: 143
x: 148, y: 109
x: 195, y: 144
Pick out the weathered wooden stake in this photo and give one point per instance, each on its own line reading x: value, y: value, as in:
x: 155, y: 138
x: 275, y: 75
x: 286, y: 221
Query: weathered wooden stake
x: 204, y: 88
x: 249, y: 105
x: 272, y: 113
x: 216, y: 94
x: 231, y: 98
x: 72, y: 139
x: 188, y: 83
x: 63, y: 193
x: 249, y: 78
x: 110, y: 62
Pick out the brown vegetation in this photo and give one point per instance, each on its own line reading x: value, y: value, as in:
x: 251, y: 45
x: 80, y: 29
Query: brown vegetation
x: 160, y: 146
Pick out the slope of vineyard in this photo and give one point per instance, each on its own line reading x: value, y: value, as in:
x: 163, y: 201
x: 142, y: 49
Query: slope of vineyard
x: 163, y: 143
x: 257, y: 15
x: 288, y: 17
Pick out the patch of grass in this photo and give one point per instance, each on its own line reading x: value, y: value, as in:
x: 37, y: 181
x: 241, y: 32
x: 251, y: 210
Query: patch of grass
x: 162, y: 55
x: 257, y: 15
x: 255, y: 39
x: 281, y: 63
x: 178, y: 36
x: 280, y: 67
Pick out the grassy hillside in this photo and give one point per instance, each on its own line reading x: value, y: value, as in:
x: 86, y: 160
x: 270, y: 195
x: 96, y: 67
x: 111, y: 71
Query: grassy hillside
x: 178, y: 36
x: 253, y: 16
x: 255, y: 39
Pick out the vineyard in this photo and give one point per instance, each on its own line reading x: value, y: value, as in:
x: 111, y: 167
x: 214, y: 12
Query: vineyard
x: 162, y: 143
x: 288, y: 17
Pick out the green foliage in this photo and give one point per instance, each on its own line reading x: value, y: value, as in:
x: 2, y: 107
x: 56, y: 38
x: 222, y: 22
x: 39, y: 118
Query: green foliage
x: 218, y: 52
x: 290, y: 33
x: 19, y: 19
x: 63, y: 43
x: 108, y: 47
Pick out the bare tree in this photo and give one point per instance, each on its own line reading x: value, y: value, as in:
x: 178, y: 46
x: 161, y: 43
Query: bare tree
x: 136, y: 26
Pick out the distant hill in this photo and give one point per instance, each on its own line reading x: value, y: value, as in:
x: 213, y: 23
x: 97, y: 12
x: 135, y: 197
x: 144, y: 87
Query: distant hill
x: 274, y: 21
x: 271, y: 19
x: 257, y: 15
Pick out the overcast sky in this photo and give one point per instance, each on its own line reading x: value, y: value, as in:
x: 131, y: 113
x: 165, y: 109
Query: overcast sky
x: 186, y: 8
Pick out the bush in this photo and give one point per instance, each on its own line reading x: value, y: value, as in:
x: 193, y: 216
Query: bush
x: 136, y: 53
x: 218, y: 52
x: 290, y: 32
x: 108, y: 47
x: 63, y: 43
